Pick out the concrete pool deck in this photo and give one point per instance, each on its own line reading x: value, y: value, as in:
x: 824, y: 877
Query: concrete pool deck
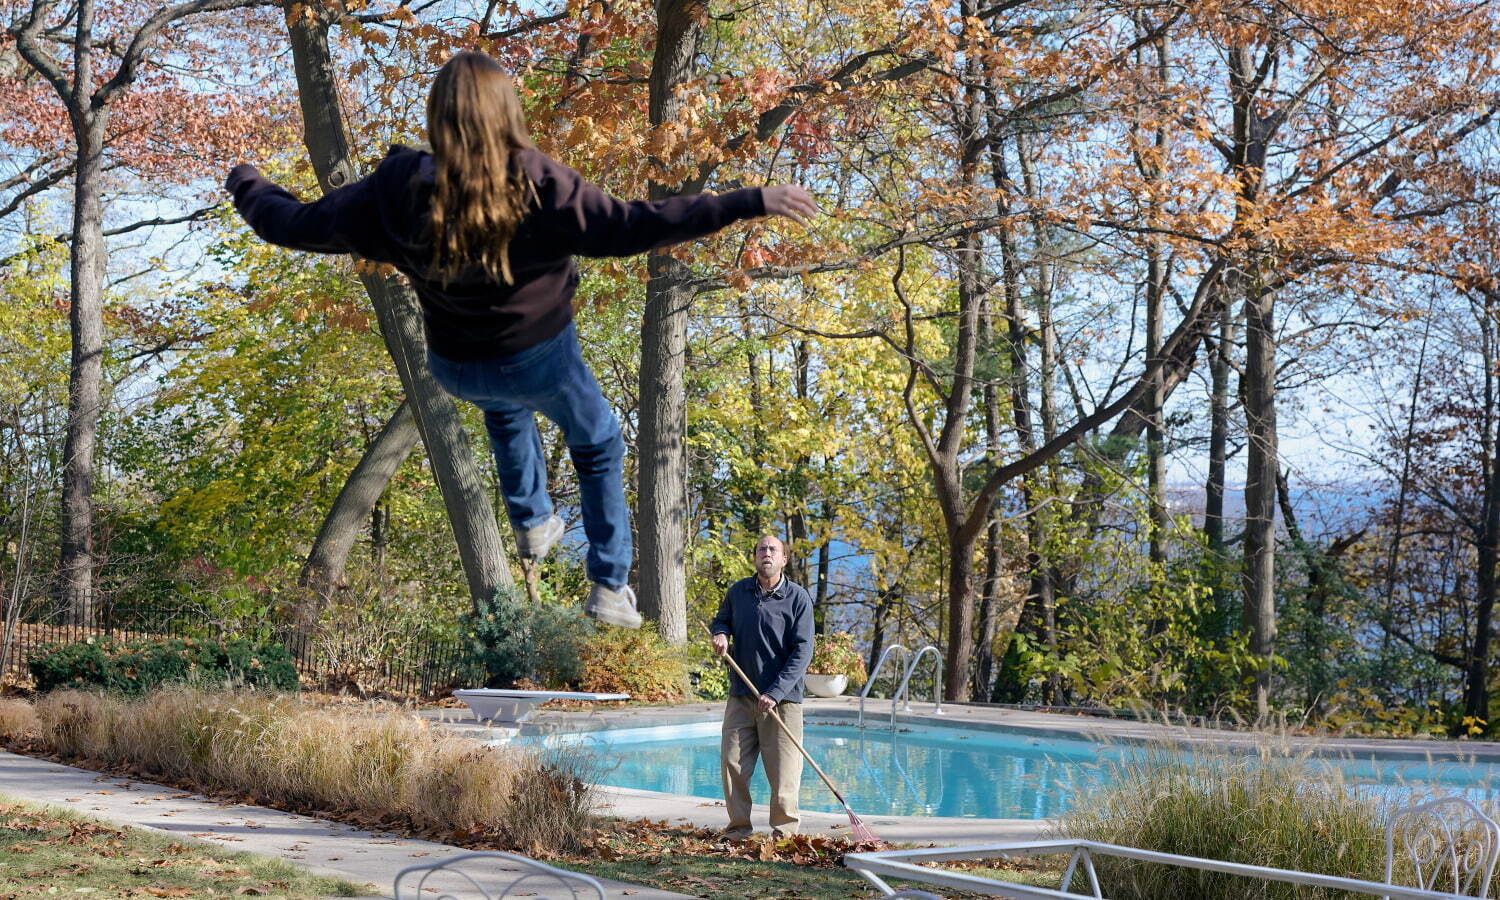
x: 634, y: 804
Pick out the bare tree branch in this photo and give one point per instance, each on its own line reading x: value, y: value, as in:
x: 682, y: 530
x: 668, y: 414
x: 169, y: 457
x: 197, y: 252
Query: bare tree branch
x: 35, y: 56
x: 31, y: 190
x: 25, y: 174
x: 528, y: 25
x: 123, y: 229
x: 147, y: 33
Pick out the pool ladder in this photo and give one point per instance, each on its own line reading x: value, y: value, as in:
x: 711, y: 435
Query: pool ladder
x: 901, y: 697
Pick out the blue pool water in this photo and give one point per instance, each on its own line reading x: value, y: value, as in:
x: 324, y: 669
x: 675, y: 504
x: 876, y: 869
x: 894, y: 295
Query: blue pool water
x: 930, y: 771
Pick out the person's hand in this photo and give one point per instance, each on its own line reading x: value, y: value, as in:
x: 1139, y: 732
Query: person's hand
x: 789, y: 200
x: 721, y: 644
x: 766, y: 704
x: 239, y: 175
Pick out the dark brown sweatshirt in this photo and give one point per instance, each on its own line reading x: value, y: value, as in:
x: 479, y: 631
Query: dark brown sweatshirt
x: 385, y: 217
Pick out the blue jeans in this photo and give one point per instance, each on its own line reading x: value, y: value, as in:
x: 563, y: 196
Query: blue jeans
x: 551, y: 378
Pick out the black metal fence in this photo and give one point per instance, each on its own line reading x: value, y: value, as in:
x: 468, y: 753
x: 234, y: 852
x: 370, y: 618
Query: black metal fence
x: 339, y: 663
x: 418, y: 668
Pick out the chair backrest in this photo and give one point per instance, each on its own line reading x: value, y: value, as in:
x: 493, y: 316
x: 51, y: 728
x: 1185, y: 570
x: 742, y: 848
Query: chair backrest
x: 1451, y: 844
x: 490, y: 876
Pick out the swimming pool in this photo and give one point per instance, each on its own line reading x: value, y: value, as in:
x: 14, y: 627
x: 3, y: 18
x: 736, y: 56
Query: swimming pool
x: 929, y: 770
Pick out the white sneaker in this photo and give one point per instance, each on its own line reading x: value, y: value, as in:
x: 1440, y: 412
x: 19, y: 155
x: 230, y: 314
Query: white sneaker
x: 613, y: 606
x: 534, y: 542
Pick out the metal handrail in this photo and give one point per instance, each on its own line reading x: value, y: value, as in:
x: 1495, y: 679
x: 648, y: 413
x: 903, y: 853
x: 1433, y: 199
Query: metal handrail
x: 937, y: 682
x: 870, y: 682
x: 900, y: 693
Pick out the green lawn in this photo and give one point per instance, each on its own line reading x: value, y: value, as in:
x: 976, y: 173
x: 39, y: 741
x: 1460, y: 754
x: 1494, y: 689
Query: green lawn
x: 48, y: 851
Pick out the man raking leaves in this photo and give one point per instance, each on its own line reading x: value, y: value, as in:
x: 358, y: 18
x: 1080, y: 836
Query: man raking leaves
x: 486, y: 227
x: 769, y: 618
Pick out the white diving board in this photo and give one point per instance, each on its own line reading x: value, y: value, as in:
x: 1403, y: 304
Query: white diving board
x: 499, y: 706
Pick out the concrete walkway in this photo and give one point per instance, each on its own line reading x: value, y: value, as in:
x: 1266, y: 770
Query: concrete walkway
x: 318, y: 845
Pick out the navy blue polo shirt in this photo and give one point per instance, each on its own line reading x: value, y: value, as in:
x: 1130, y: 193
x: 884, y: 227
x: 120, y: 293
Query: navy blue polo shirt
x: 771, y: 634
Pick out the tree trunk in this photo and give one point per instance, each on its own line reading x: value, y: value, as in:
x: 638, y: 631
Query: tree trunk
x: 86, y: 323
x: 960, y: 620
x: 1156, y: 473
x: 662, y: 454
x: 1477, y: 676
x: 1157, y: 275
x: 1259, y: 613
x: 324, y: 569
x: 453, y: 466
x: 1038, y: 608
x: 797, y: 483
x: 883, y: 600
x: 1218, y: 431
x: 984, y: 658
x: 757, y: 498
x: 820, y: 598
x: 989, y: 613
x: 85, y: 374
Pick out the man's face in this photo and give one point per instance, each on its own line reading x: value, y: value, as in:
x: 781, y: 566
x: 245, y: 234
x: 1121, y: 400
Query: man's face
x: 770, y: 558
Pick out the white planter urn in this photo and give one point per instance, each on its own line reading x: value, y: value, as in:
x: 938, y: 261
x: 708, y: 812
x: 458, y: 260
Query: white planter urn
x: 825, y: 685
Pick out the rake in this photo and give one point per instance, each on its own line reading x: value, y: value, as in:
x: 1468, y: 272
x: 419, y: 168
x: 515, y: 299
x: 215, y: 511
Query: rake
x: 857, y: 828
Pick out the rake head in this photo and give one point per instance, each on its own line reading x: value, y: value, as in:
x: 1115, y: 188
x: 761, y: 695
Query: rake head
x: 861, y: 832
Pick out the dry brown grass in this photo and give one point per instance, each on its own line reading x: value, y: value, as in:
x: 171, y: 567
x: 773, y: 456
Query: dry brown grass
x: 17, y: 719
x: 384, y: 765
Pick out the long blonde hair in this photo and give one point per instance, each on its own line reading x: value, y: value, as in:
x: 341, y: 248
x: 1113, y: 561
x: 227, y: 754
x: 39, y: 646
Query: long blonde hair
x: 475, y: 126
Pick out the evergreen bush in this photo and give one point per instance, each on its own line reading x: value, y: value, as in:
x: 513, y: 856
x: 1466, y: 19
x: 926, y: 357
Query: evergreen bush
x: 139, y: 666
x: 516, y: 640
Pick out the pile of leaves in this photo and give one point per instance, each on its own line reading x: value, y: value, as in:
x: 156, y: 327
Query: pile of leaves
x: 659, y: 838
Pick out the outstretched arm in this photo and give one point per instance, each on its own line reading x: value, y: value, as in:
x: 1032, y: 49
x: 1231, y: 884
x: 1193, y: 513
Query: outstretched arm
x: 590, y: 222
x: 280, y: 218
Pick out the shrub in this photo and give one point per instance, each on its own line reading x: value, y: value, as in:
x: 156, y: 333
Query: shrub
x: 516, y: 640
x: 84, y: 664
x: 834, y: 654
x: 635, y: 662
x: 139, y: 666
x: 288, y: 753
x: 1263, y: 809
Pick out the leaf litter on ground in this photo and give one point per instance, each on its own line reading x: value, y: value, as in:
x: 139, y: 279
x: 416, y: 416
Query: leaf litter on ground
x: 41, y: 848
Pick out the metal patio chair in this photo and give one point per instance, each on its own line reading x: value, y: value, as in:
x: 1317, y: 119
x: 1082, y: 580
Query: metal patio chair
x: 490, y: 876
x: 1451, y: 843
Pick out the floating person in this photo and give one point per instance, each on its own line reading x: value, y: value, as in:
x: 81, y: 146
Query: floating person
x: 486, y: 227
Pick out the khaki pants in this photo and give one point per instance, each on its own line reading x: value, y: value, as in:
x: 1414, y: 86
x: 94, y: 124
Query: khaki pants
x: 748, y: 733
